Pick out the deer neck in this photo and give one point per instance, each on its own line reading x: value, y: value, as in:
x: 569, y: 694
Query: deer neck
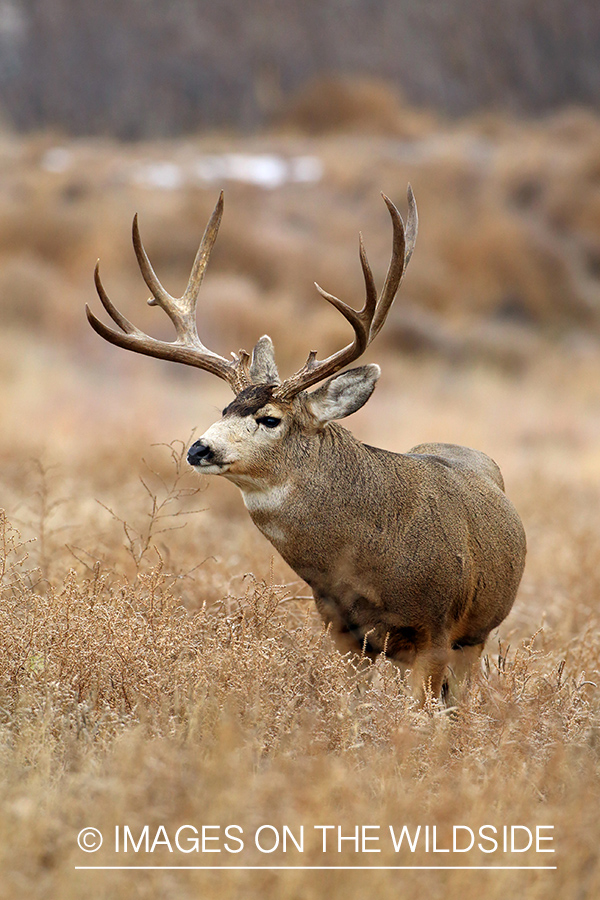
x: 322, y: 473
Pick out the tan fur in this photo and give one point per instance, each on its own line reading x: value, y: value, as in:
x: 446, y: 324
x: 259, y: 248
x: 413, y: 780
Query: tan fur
x: 421, y: 553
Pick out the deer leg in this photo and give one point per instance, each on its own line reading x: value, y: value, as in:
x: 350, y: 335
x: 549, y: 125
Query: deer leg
x: 429, y: 671
x: 346, y: 643
x: 460, y: 669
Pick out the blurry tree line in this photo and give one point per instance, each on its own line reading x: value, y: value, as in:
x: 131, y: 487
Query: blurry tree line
x: 142, y: 68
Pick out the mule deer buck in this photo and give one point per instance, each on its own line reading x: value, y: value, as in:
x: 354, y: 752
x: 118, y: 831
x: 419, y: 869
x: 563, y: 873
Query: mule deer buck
x: 418, y: 555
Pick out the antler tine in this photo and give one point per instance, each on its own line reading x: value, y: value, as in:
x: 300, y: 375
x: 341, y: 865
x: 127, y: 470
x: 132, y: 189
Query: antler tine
x: 118, y: 317
x: 181, y: 310
x: 412, y: 226
x: 367, y: 322
x: 402, y: 250
x: 371, y: 288
x: 394, y: 272
x: 187, y: 348
x: 209, y: 237
x: 159, y: 297
x: 178, y: 314
x: 351, y: 315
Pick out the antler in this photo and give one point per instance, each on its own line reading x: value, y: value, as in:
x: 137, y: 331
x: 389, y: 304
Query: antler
x: 240, y: 372
x: 187, y: 347
x: 367, y: 322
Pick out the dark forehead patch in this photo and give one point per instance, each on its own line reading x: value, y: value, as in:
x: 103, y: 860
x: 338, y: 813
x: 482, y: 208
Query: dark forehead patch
x: 250, y: 400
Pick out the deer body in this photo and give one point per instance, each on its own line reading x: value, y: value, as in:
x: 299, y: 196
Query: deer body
x: 418, y: 574
x: 416, y: 555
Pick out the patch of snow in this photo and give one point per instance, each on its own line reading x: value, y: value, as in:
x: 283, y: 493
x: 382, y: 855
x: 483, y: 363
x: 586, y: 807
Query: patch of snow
x: 265, y: 170
x: 166, y: 176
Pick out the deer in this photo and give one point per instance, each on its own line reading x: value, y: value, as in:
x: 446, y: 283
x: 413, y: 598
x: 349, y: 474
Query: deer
x: 417, y: 555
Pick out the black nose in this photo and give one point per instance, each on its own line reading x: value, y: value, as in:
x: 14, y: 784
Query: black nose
x: 198, y: 452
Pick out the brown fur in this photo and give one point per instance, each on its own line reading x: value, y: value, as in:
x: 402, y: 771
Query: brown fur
x: 417, y: 555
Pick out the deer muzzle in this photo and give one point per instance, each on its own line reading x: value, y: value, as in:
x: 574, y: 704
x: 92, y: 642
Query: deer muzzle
x: 200, y: 454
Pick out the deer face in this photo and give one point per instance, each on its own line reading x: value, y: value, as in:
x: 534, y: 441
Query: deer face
x: 246, y: 440
x: 260, y: 438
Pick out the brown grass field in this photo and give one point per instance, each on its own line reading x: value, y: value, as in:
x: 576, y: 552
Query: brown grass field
x: 160, y: 665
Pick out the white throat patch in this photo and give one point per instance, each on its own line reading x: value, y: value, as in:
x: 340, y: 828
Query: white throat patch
x: 269, y: 500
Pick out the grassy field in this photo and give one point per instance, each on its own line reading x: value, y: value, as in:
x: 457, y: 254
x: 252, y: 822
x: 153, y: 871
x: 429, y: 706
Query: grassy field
x: 160, y: 665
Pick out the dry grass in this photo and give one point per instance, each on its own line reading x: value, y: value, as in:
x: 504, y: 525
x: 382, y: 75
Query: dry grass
x: 121, y: 705
x: 146, y: 677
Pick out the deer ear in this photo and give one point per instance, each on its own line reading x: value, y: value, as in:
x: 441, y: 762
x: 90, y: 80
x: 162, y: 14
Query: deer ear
x: 263, y: 369
x: 343, y: 394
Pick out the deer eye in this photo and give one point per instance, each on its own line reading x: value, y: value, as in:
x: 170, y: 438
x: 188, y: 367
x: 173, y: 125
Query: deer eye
x: 269, y: 421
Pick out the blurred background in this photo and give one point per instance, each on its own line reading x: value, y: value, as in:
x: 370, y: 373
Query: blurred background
x: 151, y: 68
x: 303, y: 113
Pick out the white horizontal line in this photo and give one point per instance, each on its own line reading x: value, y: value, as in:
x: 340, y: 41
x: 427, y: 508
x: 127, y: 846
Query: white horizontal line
x: 324, y: 868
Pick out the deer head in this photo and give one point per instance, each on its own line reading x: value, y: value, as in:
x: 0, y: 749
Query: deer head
x: 247, y: 443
